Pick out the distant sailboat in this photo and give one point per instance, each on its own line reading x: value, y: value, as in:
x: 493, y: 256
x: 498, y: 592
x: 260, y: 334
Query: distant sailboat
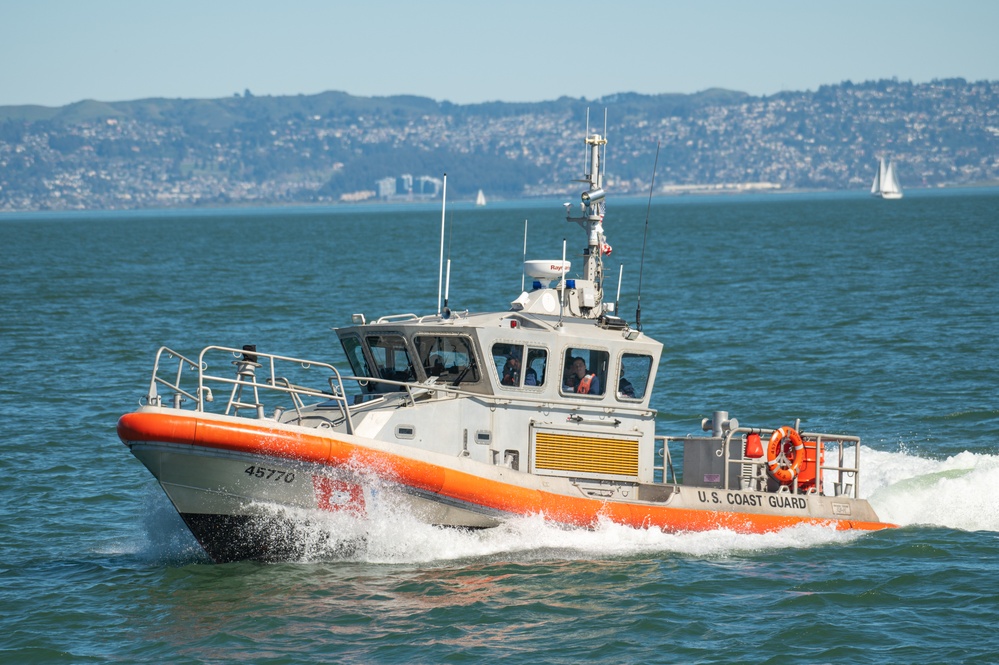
x: 480, y: 200
x: 885, y: 182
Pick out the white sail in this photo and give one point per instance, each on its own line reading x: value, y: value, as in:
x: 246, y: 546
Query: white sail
x: 890, y: 189
x: 480, y: 200
x: 876, y: 185
x: 885, y: 183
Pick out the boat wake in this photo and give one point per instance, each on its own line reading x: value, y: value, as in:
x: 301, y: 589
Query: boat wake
x: 959, y: 492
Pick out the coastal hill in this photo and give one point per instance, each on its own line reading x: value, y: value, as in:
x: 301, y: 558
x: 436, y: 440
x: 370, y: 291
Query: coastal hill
x: 334, y: 147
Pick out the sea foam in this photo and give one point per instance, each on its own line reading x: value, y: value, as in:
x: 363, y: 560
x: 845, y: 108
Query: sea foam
x: 959, y: 492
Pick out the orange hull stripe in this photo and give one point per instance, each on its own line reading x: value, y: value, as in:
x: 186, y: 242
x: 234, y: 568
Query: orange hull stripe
x: 456, y: 485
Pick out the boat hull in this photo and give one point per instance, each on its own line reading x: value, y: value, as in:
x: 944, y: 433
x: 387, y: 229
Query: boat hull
x: 242, y: 506
x: 255, y: 489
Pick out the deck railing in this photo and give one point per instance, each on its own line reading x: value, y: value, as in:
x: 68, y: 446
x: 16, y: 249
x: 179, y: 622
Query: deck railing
x: 847, y: 473
x: 198, y: 382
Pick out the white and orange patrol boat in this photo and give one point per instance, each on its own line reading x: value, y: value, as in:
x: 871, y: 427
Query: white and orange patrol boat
x: 465, y: 419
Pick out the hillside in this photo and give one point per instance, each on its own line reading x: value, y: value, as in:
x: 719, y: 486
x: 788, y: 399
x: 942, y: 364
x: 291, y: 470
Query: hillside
x: 334, y: 147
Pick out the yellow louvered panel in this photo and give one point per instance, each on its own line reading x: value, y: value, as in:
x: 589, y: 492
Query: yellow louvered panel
x: 585, y: 454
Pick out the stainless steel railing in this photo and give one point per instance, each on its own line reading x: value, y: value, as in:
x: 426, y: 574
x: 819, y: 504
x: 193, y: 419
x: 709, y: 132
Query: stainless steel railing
x: 845, y: 467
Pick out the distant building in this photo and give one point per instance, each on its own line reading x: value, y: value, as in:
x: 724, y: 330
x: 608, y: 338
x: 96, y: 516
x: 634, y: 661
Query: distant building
x: 386, y: 188
x: 409, y: 188
x: 429, y: 186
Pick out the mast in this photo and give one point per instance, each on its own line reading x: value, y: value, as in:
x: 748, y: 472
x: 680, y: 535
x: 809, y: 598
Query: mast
x: 591, y: 220
x: 581, y: 297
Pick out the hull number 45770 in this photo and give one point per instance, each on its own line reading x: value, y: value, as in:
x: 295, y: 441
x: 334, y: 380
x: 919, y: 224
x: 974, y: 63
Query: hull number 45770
x: 270, y: 474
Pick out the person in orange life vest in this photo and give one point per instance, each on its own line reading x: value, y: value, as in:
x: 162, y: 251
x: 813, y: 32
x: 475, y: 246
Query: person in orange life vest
x: 579, y: 380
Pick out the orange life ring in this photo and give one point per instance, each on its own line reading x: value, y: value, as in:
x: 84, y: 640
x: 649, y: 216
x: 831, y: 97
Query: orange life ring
x: 781, y: 469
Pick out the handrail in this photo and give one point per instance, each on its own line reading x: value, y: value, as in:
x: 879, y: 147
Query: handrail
x: 494, y: 399
x: 409, y: 316
x: 246, y: 378
x: 527, y: 399
x: 667, y: 465
x: 152, y: 397
x: 394, y: 318
x: 815, y: 440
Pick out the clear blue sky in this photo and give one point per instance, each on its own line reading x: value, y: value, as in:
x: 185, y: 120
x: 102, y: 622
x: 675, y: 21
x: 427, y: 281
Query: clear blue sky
x: 54, y: 52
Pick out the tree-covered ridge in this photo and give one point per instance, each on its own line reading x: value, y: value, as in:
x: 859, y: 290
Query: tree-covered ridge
x: 335, y: 147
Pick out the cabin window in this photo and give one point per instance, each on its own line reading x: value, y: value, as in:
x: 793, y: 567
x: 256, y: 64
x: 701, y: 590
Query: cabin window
x: 354, y: 351
x: 517, y: 370
x: 355, y: 356
x: 449, y: 357
x: 584, y: 371
x: 633, y: 379
x: 537, y: 363
x: 391, y: 358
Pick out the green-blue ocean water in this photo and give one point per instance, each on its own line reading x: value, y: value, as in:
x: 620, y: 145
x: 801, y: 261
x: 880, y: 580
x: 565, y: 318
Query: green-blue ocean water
x: 853, y: 314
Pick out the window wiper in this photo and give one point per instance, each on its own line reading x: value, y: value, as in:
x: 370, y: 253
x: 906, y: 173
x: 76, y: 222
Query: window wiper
x: 461, y: 375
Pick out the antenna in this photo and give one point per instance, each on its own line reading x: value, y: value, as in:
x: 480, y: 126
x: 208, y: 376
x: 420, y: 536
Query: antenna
x: 447, y: 287
x: 641, y: 266
x: 561, y: 286
x: 617, y: 301
x: 440, y: 272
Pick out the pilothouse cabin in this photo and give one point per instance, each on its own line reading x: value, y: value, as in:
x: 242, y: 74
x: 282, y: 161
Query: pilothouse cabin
x: 581, y: 382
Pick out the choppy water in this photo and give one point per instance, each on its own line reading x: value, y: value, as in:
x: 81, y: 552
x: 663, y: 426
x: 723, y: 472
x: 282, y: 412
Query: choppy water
x: 870, y: 317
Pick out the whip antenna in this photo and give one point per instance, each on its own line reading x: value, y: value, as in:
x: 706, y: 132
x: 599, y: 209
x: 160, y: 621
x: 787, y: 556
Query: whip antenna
x: 620, y: 276
x: 641, y: 266
x: 561, y: 286
x: 440, y: 272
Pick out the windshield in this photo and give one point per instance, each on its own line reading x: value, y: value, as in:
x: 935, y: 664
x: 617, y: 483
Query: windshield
x: 449, y: 357
x: 391, y: 357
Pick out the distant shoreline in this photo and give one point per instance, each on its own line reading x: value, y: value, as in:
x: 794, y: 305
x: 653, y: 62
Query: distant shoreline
x: 334, y: 148
x: 468, y: 204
